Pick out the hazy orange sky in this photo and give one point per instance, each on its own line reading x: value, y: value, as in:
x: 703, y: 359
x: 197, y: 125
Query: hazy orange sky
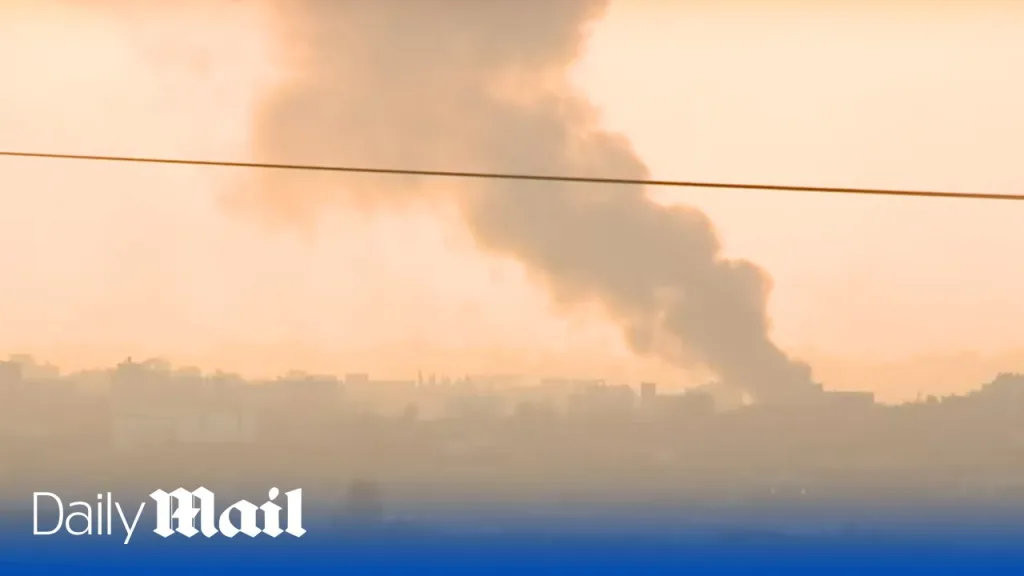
x: 102, y: 258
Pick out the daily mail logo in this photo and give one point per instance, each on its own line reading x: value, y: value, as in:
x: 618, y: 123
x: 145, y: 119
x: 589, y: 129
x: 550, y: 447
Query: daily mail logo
x: 184, y: 512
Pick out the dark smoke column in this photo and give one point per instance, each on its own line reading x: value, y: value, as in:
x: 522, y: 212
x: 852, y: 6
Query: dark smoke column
x: 394, y: 83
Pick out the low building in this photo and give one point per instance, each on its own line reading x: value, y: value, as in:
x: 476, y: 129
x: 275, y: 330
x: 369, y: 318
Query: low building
x: 848, y: 399
x: 598, y: 399
x: 648, y: 394
x: 686, y: 406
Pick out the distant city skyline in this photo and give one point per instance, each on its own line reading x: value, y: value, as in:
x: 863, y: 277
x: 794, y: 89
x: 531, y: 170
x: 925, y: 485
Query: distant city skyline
x: 768, y: 91
x: 140, y: 423
x: 894, y: 382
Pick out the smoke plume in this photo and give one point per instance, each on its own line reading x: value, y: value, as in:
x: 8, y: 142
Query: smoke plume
x: 479, y: 85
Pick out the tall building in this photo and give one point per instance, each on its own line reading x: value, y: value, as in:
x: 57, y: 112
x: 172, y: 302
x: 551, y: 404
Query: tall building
x: 648, y: 393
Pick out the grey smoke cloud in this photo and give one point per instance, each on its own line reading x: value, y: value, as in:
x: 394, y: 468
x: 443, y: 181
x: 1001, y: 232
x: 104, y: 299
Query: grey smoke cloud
x: 391, y: 83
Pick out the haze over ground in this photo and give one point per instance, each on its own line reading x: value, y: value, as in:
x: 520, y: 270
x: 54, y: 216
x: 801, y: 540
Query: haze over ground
x: 107, y: 260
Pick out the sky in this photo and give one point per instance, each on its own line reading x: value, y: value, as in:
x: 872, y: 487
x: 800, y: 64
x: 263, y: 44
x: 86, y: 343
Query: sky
x: 104, y: 260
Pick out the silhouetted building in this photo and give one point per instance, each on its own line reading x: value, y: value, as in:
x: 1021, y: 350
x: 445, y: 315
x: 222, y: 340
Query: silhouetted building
x: 648, y: 394
x: 843, y: 399
x: 32, y: 370
x: 10, y: 373
x: 212, y: 426
x: 601, y: 399
x: 1005, y: 385
x: 357, y: 379
x: 479, y: 406
x: 689, y: 405
x: 411, y: 413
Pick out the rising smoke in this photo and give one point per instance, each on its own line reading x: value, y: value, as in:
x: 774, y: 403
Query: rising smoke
x: 455, y: 84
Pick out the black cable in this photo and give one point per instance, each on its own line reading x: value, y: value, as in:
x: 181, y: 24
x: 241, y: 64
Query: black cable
x: 528, y: 177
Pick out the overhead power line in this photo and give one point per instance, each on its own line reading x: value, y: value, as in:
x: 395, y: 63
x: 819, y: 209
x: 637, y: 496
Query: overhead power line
x: 520, y: 176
